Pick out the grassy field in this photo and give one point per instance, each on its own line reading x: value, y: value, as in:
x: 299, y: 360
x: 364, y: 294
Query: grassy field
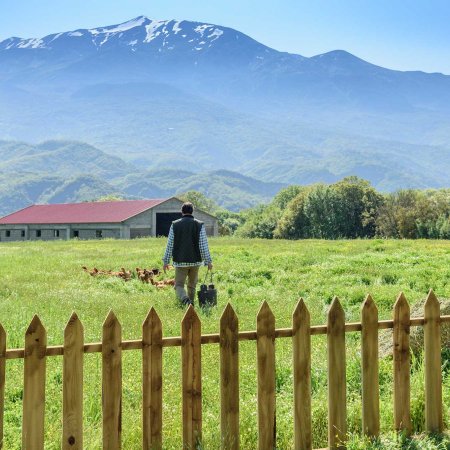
x: 46, y: 278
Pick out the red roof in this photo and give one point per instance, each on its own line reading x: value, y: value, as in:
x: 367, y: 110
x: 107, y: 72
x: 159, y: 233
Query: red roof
x: 87, y: 212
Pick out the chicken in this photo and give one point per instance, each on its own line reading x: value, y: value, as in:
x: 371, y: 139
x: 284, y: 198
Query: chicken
x: 145, y: 275
x: 92, y: 272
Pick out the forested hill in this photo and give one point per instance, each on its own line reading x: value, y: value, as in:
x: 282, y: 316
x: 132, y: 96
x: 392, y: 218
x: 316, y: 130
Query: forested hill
x: 67, y: 171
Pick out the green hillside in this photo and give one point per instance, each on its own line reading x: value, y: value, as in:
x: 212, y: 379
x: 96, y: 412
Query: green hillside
x: 66, y: 171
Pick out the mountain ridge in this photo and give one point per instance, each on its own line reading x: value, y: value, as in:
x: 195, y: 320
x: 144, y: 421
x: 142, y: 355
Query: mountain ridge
x: 226, y: 101
x: 68, y: 180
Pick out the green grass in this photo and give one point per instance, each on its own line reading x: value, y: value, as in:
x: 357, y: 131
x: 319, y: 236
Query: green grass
x: 45, y: 278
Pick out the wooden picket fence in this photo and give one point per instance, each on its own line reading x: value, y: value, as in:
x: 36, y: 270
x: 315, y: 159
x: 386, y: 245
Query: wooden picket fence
x: 152, y: 343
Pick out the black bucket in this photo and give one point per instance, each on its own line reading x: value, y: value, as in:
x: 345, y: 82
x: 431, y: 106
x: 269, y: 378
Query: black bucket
x: 207, y: 295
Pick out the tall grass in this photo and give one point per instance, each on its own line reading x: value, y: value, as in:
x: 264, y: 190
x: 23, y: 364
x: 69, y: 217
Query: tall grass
x: 45, y: 278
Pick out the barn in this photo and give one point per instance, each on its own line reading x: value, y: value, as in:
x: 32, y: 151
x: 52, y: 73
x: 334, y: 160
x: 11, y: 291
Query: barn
x: 127, y: 219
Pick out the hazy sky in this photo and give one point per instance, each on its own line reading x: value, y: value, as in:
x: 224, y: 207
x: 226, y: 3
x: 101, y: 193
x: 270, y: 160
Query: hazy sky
x: 398, y: 34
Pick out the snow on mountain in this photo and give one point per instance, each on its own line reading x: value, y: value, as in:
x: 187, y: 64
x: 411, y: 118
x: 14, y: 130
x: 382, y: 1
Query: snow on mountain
x: 119, y: 28
x: 135, y: 32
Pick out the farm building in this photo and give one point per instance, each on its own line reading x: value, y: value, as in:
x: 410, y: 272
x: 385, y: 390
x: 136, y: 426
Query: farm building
x: 126, y: 219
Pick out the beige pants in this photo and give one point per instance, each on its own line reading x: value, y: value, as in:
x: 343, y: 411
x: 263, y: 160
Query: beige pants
x: 181, y: 273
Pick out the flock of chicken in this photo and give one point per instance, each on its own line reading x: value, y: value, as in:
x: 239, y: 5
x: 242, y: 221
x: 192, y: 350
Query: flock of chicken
x: 144, y: 275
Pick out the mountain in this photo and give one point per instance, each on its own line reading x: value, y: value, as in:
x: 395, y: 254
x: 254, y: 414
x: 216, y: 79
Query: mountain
x: 68, y: 171
x: 201, y: 97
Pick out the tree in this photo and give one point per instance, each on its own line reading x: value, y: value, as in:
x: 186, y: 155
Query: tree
x: 229, y: 221
x: 260, y: 222
x: 286, y: 195
x: 321, y: 209
x: 200, y: 201
x: 294, y: 223
x: 357, y: 207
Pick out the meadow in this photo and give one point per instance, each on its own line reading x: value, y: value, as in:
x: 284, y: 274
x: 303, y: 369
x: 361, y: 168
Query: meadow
x: 46, y: 278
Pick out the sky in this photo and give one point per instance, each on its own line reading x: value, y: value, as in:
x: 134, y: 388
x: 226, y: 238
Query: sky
x: 397, y: 34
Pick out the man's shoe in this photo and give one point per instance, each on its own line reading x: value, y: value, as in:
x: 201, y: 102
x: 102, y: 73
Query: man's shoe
x: 186, y: 301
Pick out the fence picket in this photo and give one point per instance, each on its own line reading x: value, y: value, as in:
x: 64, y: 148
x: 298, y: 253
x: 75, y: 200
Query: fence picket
x: 112, y: 382
x: 433, y: 372
x: 191, y: 340
x: 265, y: 349
x: 73, y: 384
x: 229, y: 379
x: 301, y: 341
x: 2, y: 379
x: 337, y: 403
x: 369, y: 362
x: 152, y: 382
x: 402, y: 417
x: 34, y: 386
x: 191, y: 379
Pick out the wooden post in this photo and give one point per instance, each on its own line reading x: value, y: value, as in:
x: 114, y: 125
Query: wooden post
x: 369, y: 356
x: 433, y: 372
x: 301, y: 342
x: 229, y: 379
x: 2, y: 379
x: 192, y: 381
x: 337, y: 402
x: 73, y: 384
x: 152, y: 382
x: 402, y: 418
x: 112, y: 383
x: 265, y: 348
x: 34, y: 386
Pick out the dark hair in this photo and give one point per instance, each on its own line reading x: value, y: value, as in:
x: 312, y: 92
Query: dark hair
x: 187, y: 208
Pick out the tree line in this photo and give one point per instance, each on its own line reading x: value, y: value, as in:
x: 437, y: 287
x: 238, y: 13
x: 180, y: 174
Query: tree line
x: 350, y: 208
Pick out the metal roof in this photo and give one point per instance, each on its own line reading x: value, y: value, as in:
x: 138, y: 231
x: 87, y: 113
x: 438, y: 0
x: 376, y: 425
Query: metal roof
x: 86, y: 212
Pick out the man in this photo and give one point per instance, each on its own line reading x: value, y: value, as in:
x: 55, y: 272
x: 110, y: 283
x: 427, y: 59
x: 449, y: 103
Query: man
x: 188, y: 247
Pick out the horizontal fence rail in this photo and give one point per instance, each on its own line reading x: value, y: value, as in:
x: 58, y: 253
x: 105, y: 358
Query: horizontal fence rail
x: 213, y: 338
x: 152, y: 343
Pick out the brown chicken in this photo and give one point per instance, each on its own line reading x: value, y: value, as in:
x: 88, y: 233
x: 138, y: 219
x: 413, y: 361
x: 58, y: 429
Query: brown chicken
x: 92, y: 272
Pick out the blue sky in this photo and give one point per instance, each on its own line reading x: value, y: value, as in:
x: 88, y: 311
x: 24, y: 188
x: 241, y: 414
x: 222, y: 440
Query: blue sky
x: 399, y: 34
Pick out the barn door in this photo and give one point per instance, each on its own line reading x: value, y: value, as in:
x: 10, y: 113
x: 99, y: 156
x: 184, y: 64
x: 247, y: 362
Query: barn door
x: 163, y: 222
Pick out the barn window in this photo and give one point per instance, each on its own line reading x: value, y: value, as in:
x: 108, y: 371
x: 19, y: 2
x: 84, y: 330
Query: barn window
x: 38, y: 233
x: 8, y: 233
x: 56, y: 233
x: 76, y: 233
x: 22, y: 233
x: 98, y: 233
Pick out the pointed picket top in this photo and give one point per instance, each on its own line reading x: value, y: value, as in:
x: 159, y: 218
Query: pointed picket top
x: 336, y: 309
x: 301, y: 314
x: 368, y: 305
x: 265, y: 320
x: 265, y: 310
x: 73, y: 323
x: 228, y: 315
x: 151, y: 318
x: 190, y: 318
x: 300, y: 308
x: 431, y: 301
x: 401, y: 302
x: 2, y: 352
x: 110, y: 319
x: 35, y: 326
x: 2, y: 333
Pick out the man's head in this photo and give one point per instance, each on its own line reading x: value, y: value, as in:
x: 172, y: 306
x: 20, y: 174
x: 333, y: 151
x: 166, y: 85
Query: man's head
x: 187, y: 208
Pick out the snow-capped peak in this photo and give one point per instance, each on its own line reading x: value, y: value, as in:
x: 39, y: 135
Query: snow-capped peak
x: 133, y: 23
x: 165, y: 34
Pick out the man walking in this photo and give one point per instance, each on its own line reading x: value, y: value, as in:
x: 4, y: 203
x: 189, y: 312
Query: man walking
x: 188, y: 247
